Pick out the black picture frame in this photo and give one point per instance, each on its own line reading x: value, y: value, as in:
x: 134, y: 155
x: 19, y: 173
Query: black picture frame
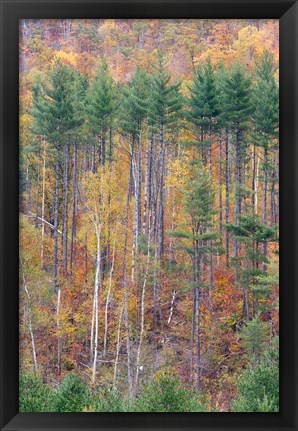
x: 284, y: 10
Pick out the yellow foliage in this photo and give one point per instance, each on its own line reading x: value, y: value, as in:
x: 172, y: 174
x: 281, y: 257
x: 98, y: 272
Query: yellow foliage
x: 70, y: 58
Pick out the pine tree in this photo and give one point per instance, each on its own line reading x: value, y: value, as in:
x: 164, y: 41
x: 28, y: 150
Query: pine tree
x: 203, y: 113
x: 196, y: 241
x: 265, y: 120
x: 134, y: 103
x: 258, y: 385
x: 252, y: 233
x: 236, y: 106
x: 163, y: 112
x: 101, y: 110
x: 204, y: 108
x: 79, y: 133
x: 54, y: 119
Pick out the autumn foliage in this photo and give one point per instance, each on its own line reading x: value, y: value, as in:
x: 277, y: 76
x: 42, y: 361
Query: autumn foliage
x: 149, y: 214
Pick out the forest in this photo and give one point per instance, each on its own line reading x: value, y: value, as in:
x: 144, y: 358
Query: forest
x: 149, y: 212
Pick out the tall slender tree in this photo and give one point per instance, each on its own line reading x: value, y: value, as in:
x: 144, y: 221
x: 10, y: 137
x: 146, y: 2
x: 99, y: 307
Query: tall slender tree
x: 101, y: 110
x: 237, y: 109
x: 265, y: 120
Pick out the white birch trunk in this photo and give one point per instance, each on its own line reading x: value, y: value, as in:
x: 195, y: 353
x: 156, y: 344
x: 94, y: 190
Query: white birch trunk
x: 30, y: 324
x: 142, y: 316
x: 172, y: 306
x: 117, y: 348
x: 96, y: 290
x: 58, y: 329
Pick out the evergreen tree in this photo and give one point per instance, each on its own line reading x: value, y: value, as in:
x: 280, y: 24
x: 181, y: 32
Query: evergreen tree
x: 79, y: 138
x: 165, y: 99
x: 101, y: 110
x: 265, y: 120
x: 72, y: 395
x: 254, y: 337
x: 252, y: 233
x: 53, y: 114
x: 204, y: 107
x: 35, y: 396
x: 236, y: 103
x: 134, y: 103
x: 163, y: 109
x: 199, y: 206
x: 258, y: 385
x: 163, y: 113
x: 166, y: 394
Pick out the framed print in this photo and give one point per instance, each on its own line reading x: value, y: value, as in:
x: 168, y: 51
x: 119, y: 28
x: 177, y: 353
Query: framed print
x: 148, y: 215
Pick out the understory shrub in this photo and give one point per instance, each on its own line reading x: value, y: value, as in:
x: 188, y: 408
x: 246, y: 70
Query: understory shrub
x: 72, y: 395
x: 166, y: 394
x: 258, y: 385
x: 35, y: 396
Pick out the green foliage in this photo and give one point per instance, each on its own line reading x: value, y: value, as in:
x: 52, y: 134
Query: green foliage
x: 35, y: 396
x: 254, y: 337
x: 236, y: 97
x: 266, y: 102
x: 110, y: 400
x: 102, y: 100
x: 182, y: 164
x: 203, y: 102
x: 72, y: 395
x: 134, y: 103
x: 166, y: 394
x: 200, y: 199
x: 251, y: 232
x: 258, y: 385
x: 53, y: 109
x: 165, y: 100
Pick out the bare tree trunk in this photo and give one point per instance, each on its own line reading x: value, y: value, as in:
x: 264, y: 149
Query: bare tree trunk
x: 220, y: 187
x: 29, y: 188
x: 172, y: 306
x: 117, y: 348
x: 65, y: 209
x: 253, y: 181
x: 103, y: 149
x: 142, y: 315
x: 37, y: 192
x: 238, y: 198
x: 74, y: 205
x: 257, y: 182
x: 192, y: 337
x: 43, y: 204
x: 161, y: 197
x: 197, y: 318
x: 108, y: 300
x: 139, y: 196
x: 59, y: 343
x: 135, y: 213
x: 227, y: 197
x: 124, y: 282
x: 56, y: 204
x: 265, y: 202
x: 146, y: 189
x: 30, y: 322
x: 95, y: 301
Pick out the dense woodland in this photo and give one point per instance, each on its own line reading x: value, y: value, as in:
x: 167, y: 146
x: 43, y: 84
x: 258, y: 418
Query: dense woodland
x: 149, y: 211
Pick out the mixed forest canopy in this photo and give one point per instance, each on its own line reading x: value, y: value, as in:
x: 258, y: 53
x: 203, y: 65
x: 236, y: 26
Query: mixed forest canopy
x: 149, y: 211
